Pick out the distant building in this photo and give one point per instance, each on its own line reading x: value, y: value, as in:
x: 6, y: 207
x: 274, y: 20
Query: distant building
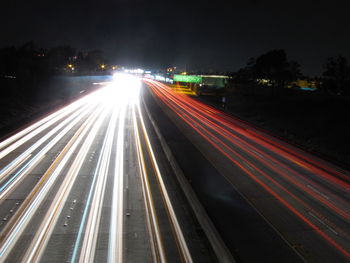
x: 303, y: 84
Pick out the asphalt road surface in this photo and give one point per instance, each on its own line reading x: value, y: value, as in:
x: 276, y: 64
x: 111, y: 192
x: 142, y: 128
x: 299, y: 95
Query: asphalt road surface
x: 89, y: 183
x: 270, y: 201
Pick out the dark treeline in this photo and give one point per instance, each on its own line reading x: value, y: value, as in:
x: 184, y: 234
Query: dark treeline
x: 312, y: 112
x: 29, y: 61
x: 27, y: 71
x: 32, y: 78
x: 273, y: 69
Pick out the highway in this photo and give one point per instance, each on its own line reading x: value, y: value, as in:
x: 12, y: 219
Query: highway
x: 92, y: 182
x: 304, y: 199
x: 84, y: 184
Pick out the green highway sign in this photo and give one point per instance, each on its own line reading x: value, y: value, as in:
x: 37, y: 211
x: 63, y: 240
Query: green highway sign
x: 188, y: 78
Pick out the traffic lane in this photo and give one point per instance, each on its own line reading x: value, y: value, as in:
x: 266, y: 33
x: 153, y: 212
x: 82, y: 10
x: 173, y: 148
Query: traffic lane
x: 232, y: 215
x: 30, y: 230
x: 332, y: 228
x: 58, y: 246
x: 326, y: 175
x: 62, y: 241
x: 305, y: 158
x: 51, y: 203
x: 198, y: 245
x: 281, y: 178
x: 18, y: 194
x: 311, y: 215
x: 323, y: 219
x: 16, y: 169
x: 244, y: 133
x: 168, y: 242
x: 136, y: 236
x: 43, y: 193
x: 25, y: 138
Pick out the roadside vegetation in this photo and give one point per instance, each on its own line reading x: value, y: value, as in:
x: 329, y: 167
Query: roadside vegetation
x: 314, y: 115
x: 35, y: 80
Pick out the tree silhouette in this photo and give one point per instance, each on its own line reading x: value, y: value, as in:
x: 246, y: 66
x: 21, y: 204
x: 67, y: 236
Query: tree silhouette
x: 275, y: 67
x: 336, y: 76
x: 272, y: 66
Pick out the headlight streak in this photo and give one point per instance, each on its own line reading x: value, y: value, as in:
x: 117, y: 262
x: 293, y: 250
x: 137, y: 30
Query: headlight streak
x: 152, y: 221
x: 18, y: 165
x: 42, y: 124
x: 31, y: 135
x: 95, y: 198
x: 178, y: 232
x: 16, y: 178
x: 39, y: 241
x: 199, y: 116
x: 93, y: 190
x: 115, y: 245
x: 113, y: 103
x: 22, y: 218
x: 8, y: 168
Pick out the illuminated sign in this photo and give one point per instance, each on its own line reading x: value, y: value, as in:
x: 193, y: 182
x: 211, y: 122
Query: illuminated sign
x: 188, y: 78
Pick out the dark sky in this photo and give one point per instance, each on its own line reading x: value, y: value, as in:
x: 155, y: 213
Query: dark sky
x: 206, y: 34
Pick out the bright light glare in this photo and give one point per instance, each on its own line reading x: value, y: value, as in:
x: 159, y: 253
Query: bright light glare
x: 124, y: 89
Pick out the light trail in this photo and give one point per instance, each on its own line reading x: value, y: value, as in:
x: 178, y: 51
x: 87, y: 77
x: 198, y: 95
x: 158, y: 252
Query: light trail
x: 101, y: 167
x: 115, y: 245
x: 16, y: 226
x: 17, y: 177
x: 41, y: 125
x: 96, y: 193
x: 250, y: 150
x: 9, y: 168
x: 95, y: 123
x: 338, y: 205
x: 157, y: 246
x: 39, y: 241
x: 178, y: 232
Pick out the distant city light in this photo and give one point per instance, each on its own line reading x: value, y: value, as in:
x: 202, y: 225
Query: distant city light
x: 134, y: 71
x: 160, y: 78
x: 149, y: 76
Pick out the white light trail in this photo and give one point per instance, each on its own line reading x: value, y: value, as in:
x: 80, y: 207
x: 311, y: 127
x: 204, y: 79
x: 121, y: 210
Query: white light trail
x: 114, y: 103
x: 13, y: 181
x: 39, y: 126
x: 151, y: 218
x: 40, y: 191
x: 128, y: 89
x: 95, y: 201
x: 9, y: 168
x: 179, y: 235
x: 39, y: 241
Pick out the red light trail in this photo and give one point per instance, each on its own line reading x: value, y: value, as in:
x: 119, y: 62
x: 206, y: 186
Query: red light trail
x: 256, y: 154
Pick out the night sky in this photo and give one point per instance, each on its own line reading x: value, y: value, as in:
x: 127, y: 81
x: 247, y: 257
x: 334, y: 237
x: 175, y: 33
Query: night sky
x: 199, y: 34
